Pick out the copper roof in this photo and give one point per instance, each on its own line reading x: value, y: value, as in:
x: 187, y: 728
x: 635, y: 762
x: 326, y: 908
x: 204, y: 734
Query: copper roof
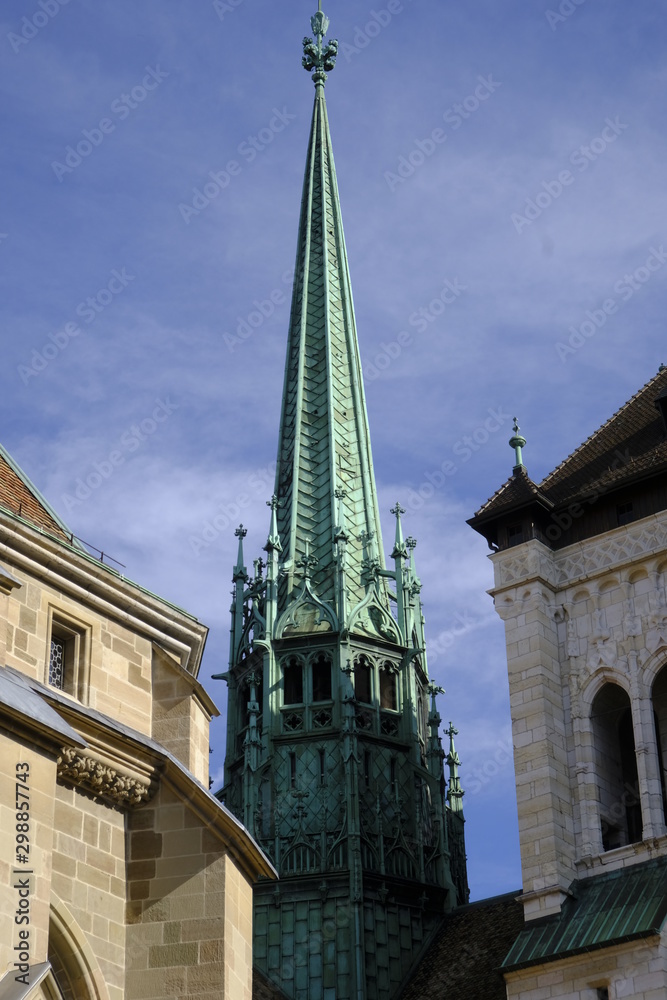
x: 604, y: 910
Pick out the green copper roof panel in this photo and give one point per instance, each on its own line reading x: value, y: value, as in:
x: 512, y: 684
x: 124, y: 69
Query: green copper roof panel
x: 325, y: 470
x: 605, y: 910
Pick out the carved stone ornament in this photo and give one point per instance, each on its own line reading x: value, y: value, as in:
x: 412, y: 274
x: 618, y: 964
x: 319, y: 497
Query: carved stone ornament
x: 84, y: 771
x: 603, y: 554
x: 572, y: 638
x: 656, y: 635
x: 602, y: 652
x: 632, y: 624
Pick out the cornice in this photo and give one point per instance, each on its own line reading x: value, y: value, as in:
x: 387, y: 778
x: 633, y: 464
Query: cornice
x: 112, y: 595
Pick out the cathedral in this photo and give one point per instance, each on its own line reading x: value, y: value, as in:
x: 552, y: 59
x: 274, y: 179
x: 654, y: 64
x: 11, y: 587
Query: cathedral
x: 331, y: 865
x: 334, y: 760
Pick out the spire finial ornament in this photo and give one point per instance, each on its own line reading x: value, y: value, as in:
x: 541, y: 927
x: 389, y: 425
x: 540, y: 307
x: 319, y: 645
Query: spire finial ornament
x: 517, y: 442
x: 307, y: 562
x: 400, y: 550
x: 317, y: 58
x: 239, y: 569
x: 273, y: 541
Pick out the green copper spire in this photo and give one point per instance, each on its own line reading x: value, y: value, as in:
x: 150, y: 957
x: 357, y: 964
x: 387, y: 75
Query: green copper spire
x: 324, y: 475
x: 334, y: 760
x: 517, y: 442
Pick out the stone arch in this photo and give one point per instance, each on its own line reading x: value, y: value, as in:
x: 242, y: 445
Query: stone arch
x: 659, y: 705
x: 75, y: 973
x: 597, y: 680
x: 615, y: 762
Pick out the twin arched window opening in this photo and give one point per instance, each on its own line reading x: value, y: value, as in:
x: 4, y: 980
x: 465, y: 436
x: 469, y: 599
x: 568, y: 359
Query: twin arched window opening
x: 320, y: 680
x: 620, y: 800
x: 386, y: 683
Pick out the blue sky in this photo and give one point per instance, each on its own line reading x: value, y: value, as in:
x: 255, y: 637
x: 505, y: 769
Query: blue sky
x: 501, y: 169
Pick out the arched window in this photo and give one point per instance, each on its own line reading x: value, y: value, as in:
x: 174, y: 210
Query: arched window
x: 659, y: 696
x: 388, y: 691
x: 321, y: 676
x: 362, y: 680
x: 616, y: 768
x: 293, y: 676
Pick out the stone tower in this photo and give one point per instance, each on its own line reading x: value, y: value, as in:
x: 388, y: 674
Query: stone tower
x: 580, y: 562
x: 334, y: 761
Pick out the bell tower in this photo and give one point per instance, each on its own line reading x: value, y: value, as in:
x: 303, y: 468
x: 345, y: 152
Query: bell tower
x: 334, y: 761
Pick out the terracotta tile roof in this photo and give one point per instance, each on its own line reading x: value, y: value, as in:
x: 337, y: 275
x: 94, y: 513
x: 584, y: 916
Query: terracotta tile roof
x: 517, y: 491
x: 19, y: 495
x: 631, y: 443
x: 464, y: 959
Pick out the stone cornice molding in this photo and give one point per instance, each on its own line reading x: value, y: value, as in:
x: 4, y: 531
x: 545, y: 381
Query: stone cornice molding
x: 90, y: 582
x: 582, y: 561
x: 83, y: 770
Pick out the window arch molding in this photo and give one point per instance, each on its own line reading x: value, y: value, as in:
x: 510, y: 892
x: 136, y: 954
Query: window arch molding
x: 70, y: 951
x: 650, y: 669
x: 597, y: 680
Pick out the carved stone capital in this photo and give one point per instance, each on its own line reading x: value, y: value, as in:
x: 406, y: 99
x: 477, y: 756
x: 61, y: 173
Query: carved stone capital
x: 75, y: 767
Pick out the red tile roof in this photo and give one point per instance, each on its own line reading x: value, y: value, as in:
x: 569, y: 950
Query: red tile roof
x: 19, y: 496
x: 464, y: 959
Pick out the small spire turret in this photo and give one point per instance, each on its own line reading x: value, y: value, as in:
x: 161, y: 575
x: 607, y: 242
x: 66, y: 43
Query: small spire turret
x: 240, y: 570
x: 517, y: 442
x: 273, y: 541
x: 454, y: 793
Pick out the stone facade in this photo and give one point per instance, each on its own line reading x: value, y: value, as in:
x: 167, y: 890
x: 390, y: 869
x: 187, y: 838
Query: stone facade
x: 121, y: 875
x: 580, y: 565
x: 576, y: 619
x: 637, y: 970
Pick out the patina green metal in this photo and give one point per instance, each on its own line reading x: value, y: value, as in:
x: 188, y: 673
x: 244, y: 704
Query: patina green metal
x: 602, y: 911
x: 334, y: 760
x: 517, y: 442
